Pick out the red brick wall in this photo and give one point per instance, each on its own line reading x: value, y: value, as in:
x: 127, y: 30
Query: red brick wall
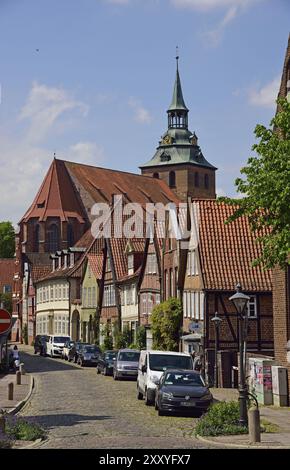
x: 281, y: 312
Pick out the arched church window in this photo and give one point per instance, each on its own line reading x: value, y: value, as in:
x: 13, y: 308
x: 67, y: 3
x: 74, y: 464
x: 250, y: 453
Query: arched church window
x: 172, y: 179
x: 196, y: 179
x: 53, y: 238
x: 206, y: 181
x: 70, y: 235
x: 36, y: 238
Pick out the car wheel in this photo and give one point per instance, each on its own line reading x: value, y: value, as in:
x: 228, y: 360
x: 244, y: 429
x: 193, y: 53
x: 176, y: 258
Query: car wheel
x: 160, y: 412
x: 139, y: 395
x: 147, y: 401
x: 51, y: 354
x: 80, y: 362
x: 98, y: 370
x: 105, y: 372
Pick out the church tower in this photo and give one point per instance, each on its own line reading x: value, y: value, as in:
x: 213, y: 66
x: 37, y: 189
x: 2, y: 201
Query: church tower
x: 179, y: 160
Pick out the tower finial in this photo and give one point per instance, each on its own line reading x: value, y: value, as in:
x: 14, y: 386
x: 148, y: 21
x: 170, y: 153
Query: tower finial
x: 177, y: 56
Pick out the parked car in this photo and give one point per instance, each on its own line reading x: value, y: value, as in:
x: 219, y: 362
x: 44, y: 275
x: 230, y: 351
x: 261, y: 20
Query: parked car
x: 68, y: 345
x: 75, y: 350
x: 152, y: 364
x: 106, y: 361
x: 126, y: 363
x: 55, y: 344
x: 88, y: 355
x: 40, y: 344
x: 182, y: 390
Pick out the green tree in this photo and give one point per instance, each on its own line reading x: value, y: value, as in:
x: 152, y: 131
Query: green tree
x: 141, y: 337
x: 6, y: 299
x: 7, y: 240
x: 166, y: 321
x: 266, y: 190
x: 123, y: 338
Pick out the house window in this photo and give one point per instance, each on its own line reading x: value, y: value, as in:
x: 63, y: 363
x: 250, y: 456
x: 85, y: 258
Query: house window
x: 252, y: 307
x: 196, y: 179
x: 7, y: 289
x: 89, y: 297
x: 71, y: 260
x: 151, y: 266
x: 156, y: 175
x: 185, y: 304
x: 94, y: 300
x: 84, y: 296
x: 109, y: 296
x: 206, y: 181
x: 108, y: 266
x: 129, y: 295
x: 192, y: 263
x: 130, y: 264
x: 172, y: 179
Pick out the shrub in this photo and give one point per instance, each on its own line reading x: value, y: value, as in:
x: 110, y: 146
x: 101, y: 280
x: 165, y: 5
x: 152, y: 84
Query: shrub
x: 166, y: 320
x: 221, y: 419
x: 108, y: 343
x: 141, y: 337
x: 24, y: 431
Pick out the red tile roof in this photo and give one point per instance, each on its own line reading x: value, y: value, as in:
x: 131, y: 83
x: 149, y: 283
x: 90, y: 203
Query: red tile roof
x: 40, y: 271
x: 7, y: 268
x: 56, y: 197
x: 227, y: 251
x: 103, y: 183
x: 96, y: 264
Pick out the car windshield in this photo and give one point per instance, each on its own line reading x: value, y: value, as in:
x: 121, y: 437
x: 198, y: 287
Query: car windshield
x: 60, y: 339
x: 129, y: 356
x: 91, y: 349
x: 191, y: 380
x: 110, y: 356
x: 81, y: 345
x: 169, y: 361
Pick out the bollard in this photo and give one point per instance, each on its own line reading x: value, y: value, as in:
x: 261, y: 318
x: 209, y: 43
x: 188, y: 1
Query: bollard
x: 18, y: 377
x: 10, y: 391
x: 21, y: 368
x: 2, y: 424
x: 254, y: 425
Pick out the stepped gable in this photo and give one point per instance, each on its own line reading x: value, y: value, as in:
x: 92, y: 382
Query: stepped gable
x: 227, y: 251
x: 56, y: 197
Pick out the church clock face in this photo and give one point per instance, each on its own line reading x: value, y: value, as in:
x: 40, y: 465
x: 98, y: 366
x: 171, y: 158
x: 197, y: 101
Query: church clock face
x: 167, y: 140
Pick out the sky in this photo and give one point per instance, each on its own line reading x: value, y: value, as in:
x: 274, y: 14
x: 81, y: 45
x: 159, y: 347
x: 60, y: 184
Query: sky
x: 91, y: 80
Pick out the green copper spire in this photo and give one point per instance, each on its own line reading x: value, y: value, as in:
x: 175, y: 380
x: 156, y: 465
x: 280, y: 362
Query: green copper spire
x: 177, y: 103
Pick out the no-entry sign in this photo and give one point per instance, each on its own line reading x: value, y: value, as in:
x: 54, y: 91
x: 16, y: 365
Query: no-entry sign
x: 5, y: 321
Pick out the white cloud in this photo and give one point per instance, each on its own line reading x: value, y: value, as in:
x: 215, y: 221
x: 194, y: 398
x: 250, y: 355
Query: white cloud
x: 207, y: 5
x: 25, y: 158
x: 86, y: 152
x: 44, y: 106
x: 214, y: 37
x: 142, y: 114
x: 266, y: 95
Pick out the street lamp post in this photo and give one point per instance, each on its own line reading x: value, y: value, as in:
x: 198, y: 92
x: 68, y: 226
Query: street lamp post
x: 240, y: 302
x: 217, y: 321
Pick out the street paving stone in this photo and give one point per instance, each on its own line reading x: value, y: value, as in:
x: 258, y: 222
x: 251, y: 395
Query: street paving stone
x: 81, y: 409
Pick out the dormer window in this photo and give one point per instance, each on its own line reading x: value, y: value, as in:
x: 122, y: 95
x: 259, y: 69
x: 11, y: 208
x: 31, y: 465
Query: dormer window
x: 71, y: 260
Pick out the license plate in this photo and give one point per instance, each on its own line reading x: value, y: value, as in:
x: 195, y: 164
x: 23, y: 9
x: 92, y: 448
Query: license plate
x: 187, y: 403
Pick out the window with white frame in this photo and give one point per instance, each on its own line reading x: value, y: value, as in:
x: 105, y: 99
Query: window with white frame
x: 89, y: 297
x: 193, y: 305
x: 109, y: 296
x: 252, y: 307
x: 157, y: 299
x: 129, y: 295
x: 94, y: 300
x: 51, y: 293
x: 192, y: 268
x: 151, y: 264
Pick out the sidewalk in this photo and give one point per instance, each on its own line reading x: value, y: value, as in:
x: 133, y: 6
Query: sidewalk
x: 277, y: 416
x: 20, y: 395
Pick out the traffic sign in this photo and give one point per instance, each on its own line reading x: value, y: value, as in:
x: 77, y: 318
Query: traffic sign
x: 5, y: 321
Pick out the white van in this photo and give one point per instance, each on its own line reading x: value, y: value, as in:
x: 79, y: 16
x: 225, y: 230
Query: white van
x: 55, y: 344
x: 152, y: 364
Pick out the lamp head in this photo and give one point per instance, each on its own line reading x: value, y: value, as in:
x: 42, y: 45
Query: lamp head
x: 239, y: 300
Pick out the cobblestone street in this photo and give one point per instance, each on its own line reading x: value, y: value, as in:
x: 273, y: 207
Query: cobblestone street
x: 81, y: 409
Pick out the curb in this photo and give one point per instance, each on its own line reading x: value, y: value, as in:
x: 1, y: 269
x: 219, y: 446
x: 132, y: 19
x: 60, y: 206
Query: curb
x: 30, y: 446
x: 237, y: 446
x: 25, y: 400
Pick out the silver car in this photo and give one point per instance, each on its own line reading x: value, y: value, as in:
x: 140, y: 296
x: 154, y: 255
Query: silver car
x: 126, y: 364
